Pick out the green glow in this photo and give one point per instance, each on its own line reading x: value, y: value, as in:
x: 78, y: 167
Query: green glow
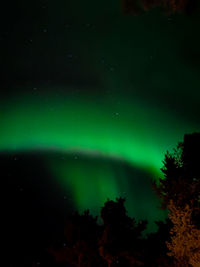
x: 91, y: 180
x: 134, y: 93
x: 131, y: 132
x: 94, y: 178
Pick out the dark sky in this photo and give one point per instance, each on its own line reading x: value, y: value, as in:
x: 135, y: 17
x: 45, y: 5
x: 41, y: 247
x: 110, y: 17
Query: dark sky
x: 100, y: 95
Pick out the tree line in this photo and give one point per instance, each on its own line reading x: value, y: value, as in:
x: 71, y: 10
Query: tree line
x: 119, y: 240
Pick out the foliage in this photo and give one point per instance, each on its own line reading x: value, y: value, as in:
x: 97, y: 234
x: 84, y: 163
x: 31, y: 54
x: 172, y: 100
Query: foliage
x: 180, y: 193
x: 185, y: 238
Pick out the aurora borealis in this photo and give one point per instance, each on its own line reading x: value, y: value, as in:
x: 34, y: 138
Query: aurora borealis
x: 109, y: 94
x: 78, y: 128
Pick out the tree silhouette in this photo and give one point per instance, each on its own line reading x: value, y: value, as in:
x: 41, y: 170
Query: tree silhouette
x: 120, y: 237
x: 180, y: 194
x: 181, y: 182
x: 118, y: 241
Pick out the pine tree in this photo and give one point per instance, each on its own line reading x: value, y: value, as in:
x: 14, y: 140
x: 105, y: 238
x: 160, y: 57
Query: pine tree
x: 181, y: 182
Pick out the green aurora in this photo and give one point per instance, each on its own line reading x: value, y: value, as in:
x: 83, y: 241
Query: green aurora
x: 129, y: 132
x: 82, y: 131
x: 109, y: 93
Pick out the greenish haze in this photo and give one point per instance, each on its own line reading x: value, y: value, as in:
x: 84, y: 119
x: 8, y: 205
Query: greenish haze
x: 134, y: 132
x: 92, y: 179
x: 82, y: 79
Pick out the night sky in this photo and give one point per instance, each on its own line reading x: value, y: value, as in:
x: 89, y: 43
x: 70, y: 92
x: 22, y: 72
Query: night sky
x: 90, y: 101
